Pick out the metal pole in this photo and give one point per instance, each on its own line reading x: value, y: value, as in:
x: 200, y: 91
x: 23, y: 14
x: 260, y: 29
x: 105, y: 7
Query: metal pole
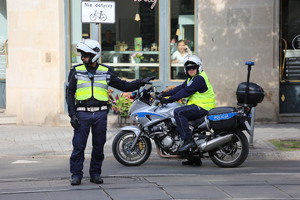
x: 252, y: 126
x: 95, y: 31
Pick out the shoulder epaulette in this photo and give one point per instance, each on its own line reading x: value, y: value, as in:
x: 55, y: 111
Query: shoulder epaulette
x: 109, y: 67
x: 73, y: 67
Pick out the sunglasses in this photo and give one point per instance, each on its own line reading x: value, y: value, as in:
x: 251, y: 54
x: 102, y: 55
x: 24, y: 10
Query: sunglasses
x: 191, y: 68
x: 84, y: 54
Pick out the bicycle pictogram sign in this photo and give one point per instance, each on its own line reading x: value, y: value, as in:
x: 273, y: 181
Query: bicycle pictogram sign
x: 98, y: 12
x: 98, y: 15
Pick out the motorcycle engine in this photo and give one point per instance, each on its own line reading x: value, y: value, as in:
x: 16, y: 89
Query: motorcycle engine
x: 167, y: 141
x: 161, y: 131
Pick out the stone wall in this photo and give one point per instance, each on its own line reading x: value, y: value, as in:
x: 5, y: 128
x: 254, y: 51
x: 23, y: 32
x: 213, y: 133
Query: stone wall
x: 234, y: 31
x: 36, y: 72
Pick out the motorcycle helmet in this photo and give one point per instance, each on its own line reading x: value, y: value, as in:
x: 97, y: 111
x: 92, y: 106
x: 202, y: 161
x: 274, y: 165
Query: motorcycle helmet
x: 192, y: 61
x: 89, y: 46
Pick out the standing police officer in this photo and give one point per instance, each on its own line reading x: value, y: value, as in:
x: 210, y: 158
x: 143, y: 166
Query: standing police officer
x: 87, y: 97
x: 200, y: 99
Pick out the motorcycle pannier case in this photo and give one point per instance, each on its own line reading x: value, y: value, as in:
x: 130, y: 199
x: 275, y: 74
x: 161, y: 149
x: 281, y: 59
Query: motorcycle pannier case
x: 223, y: 118
x: 255, y: 96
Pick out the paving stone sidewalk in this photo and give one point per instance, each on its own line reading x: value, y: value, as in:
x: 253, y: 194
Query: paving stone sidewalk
x: 56, y: 141
x: 46, y: 142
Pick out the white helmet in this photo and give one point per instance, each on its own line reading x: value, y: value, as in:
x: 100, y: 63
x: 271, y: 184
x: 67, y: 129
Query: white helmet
x: 192, y: 61
x: 90, y: 46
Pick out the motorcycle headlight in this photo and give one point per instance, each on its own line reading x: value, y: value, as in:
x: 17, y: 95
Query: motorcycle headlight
x: 136, y: 118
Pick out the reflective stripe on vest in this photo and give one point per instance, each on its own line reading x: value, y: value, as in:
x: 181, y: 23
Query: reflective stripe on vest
x: 96, y: 88
x: 205, y: 100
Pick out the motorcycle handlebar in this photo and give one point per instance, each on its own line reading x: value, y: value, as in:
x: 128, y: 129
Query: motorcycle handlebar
x: 155, y: 102
x: 152, y: 90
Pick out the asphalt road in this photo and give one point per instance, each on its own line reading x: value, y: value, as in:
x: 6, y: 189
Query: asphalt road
x: 48, y: 178
x: 22, y: 168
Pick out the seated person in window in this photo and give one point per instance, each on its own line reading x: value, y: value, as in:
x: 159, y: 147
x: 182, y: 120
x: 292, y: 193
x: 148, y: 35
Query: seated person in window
x: 108, y: 44
x: 181, y: 52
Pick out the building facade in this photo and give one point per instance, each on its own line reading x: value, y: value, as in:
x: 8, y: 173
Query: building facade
x: 41, y: 35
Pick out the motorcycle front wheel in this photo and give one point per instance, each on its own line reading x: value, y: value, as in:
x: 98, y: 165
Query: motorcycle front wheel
x: 127, y: 155
x: 232, y: 154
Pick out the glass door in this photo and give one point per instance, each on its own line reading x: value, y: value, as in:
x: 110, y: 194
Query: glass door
x: 131, y: 45
x: 290, y: 57
x: 182, y: 21
x: 3, y: 53
x: 142, y: 27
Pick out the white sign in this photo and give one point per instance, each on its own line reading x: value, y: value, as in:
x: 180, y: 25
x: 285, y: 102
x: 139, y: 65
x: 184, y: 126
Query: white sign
x: 98, y: 12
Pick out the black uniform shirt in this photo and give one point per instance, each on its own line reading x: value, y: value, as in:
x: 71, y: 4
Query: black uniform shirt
x: 114, y: 81
x: 197, y: 84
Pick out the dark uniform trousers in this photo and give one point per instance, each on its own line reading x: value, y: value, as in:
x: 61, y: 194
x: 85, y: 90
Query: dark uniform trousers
x: 97, y: 121
x: 183, y: 115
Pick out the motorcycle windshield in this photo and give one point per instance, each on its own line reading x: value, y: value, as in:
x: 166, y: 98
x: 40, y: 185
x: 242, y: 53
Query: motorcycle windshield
x: 137, y: 105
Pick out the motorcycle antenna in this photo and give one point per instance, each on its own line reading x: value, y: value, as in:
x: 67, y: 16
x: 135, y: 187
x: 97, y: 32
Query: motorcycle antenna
x: 250, y: 64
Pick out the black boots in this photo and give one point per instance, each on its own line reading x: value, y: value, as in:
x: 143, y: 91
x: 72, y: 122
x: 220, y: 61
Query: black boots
x: 93, y: 179
x: 189, y: 143
x: 75, y: 181
x: 96, y: 179
x: 193, y: 161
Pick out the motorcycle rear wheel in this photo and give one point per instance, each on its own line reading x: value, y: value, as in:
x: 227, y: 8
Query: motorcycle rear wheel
x: 121, y: 148
x: 232, y: 154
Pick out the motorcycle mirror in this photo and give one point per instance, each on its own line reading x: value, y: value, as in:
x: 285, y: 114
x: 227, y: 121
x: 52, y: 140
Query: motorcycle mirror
x: 134, y: 94
x: 154, y: 89
x: 152, y: 94
x: 148, y: 86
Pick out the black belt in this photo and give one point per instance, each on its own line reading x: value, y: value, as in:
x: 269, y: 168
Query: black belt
x: 91, y: 109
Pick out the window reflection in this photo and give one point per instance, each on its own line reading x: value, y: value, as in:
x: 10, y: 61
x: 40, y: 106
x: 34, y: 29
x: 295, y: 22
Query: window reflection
x: 179, y: 54
x: 182, y: 35
x: 130, y: 47
x: 108, y: 43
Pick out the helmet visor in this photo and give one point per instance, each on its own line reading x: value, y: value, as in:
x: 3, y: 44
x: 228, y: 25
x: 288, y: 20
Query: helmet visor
x: 85, y: 54
x: 190, y: 65
x: 192, y: 68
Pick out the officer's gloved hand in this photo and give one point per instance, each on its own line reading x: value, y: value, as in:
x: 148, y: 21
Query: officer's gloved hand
x: 165, y: 101
x: 75, y: 122
x: 161, y: 95
x: 147, y: 80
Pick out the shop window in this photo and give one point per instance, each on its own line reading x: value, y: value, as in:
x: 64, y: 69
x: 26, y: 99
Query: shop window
x: 182, y: 35
x: 86, y: 32
x: 130, y: 45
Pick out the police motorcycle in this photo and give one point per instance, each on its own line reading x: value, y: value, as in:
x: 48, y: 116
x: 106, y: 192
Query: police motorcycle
x: 219, y: 135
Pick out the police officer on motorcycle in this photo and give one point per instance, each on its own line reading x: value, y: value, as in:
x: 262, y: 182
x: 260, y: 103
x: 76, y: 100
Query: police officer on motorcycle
x: 87, y: 98
x: 200, y: 99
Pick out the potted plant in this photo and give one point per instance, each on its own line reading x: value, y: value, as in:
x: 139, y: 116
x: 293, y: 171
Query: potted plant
x: 120, y: 106
x: 122, y: 103
x: 137, y: 57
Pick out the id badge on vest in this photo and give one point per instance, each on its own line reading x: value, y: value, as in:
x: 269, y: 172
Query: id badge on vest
x: 189, y: 83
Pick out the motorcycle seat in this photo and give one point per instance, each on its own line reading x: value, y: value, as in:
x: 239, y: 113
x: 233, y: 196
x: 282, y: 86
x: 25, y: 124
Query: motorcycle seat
x: 197, y: 122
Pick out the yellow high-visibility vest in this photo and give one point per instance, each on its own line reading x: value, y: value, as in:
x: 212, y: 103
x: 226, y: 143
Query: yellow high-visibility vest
x: 86, y: 88
x: 205, y: 100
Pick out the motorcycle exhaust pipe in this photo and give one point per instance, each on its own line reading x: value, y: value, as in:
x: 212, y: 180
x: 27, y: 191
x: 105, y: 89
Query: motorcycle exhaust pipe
x: 214, y: 143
